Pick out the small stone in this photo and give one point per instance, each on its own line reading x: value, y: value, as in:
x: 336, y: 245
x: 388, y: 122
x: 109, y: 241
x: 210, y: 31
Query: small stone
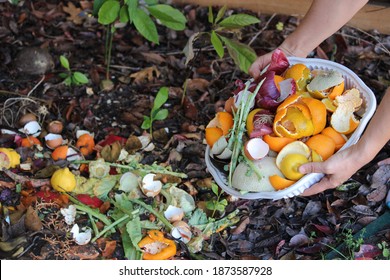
x: 33, y: 61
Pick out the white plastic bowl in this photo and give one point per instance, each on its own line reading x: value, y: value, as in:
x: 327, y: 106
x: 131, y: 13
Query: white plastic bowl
x: 366, y: 112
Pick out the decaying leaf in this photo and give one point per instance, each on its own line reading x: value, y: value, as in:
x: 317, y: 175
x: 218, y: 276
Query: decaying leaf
x: 32, y: 220
x: 381, y: 175
x: 111, y: 152
x: 74, y: 13
x: 145, y: 75
x: 378, y: 194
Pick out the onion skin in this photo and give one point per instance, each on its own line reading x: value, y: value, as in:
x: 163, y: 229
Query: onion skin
x: 262, y: 124
x: 279, y: 62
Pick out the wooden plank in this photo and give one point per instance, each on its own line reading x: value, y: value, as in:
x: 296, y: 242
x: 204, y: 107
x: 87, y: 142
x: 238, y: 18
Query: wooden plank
x: 371, y: 16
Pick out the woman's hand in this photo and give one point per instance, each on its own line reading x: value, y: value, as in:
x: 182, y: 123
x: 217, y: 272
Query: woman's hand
x: 337, y: 169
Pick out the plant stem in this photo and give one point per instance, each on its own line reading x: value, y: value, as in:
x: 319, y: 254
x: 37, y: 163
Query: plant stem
x: 109, y: 41
x: 138, y: 167
x: 251, y: 165
x: 154, y: 212
x: 82, y: 207
x: 94, y: 227
x: 110, y: 227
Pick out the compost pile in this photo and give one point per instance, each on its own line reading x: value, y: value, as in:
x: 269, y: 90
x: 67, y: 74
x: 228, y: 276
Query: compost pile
x: 97, y: 198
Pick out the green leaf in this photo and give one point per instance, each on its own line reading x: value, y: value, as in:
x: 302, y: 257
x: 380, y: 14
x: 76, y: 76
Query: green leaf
x: 238, y: 21
x: 63, y: 75
x: 97, y: 4
x: 129, y: 250
x: 217, y: 44
x: 160, y: 114
x: 145, y: 26
x: 279, y: 26
x: 220, y: 207
x: 220, y: 14
x: 124, y: 14
x: 109, y: 12
x: 214, y: 188
x: 161, y: 98
x: 68, y: 81
x: 211, y: 205
x: 211, y: 15
x: 80, y: 77
x: 133, y: 228
x: 104, y: 187
x: 242, y: 54
x: 132, y: 6
x: 146, y: 124
x: 149, y: 225
x: 64, y: 62
x: 198, y: 217
x: 168, y: 16
x: 151, y: 2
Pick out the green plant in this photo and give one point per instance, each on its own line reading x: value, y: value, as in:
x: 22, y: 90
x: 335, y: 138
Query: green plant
x: 351, y: 244
x: 217, y: 204
x: 385, y: 250
x: 138, y: 13
x: 71, y: 77
x: 156, y: 113
x: 220, y: 33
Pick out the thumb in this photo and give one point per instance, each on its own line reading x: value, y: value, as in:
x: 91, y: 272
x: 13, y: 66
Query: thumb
x: 312, y: 167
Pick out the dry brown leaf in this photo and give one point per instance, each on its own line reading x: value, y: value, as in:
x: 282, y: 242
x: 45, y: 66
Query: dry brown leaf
x: 242, y: 226
x: 32, y: 221
x: 378, y: 194
x: 74, y: 13
x: 153, y: 57
x: 85, y: 252
x: 145, y: 75
x: 197, y: 84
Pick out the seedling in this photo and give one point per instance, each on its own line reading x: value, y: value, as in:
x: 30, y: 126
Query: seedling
x: 242, y: 54
x: 114, y: 14
x: 217, y: 204
x: 385, y: 250
x: 72, y: 78
x: 157, y: 113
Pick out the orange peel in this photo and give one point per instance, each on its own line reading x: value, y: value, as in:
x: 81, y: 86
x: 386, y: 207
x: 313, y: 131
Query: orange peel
x: 276, y: 143
x: 322, y: 144
x: 222, y: 120
x: 318, y: 113
x: 339, y: 138
x: 212, y: 134
x: 300, y: 73
x: 280, y: 183
x: 30, y: 141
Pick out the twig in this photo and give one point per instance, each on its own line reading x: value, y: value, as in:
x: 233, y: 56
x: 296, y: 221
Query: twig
x: 261, y: 31
x: 37, y: 85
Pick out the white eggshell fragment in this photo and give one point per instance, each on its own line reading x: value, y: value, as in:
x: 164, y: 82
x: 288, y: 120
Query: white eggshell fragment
x: 32, y: 128
x: 81, y: 238
x: 150, y: 187
x: 173, y: 213
x: 53, y: 140
x: 256, y: 149
x: 182, y: 231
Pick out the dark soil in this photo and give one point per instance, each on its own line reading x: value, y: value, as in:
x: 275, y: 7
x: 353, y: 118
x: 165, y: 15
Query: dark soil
x: 294, y: 228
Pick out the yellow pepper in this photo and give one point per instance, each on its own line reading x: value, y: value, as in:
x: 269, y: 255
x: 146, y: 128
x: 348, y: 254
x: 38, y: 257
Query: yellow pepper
x: 156, y: 247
